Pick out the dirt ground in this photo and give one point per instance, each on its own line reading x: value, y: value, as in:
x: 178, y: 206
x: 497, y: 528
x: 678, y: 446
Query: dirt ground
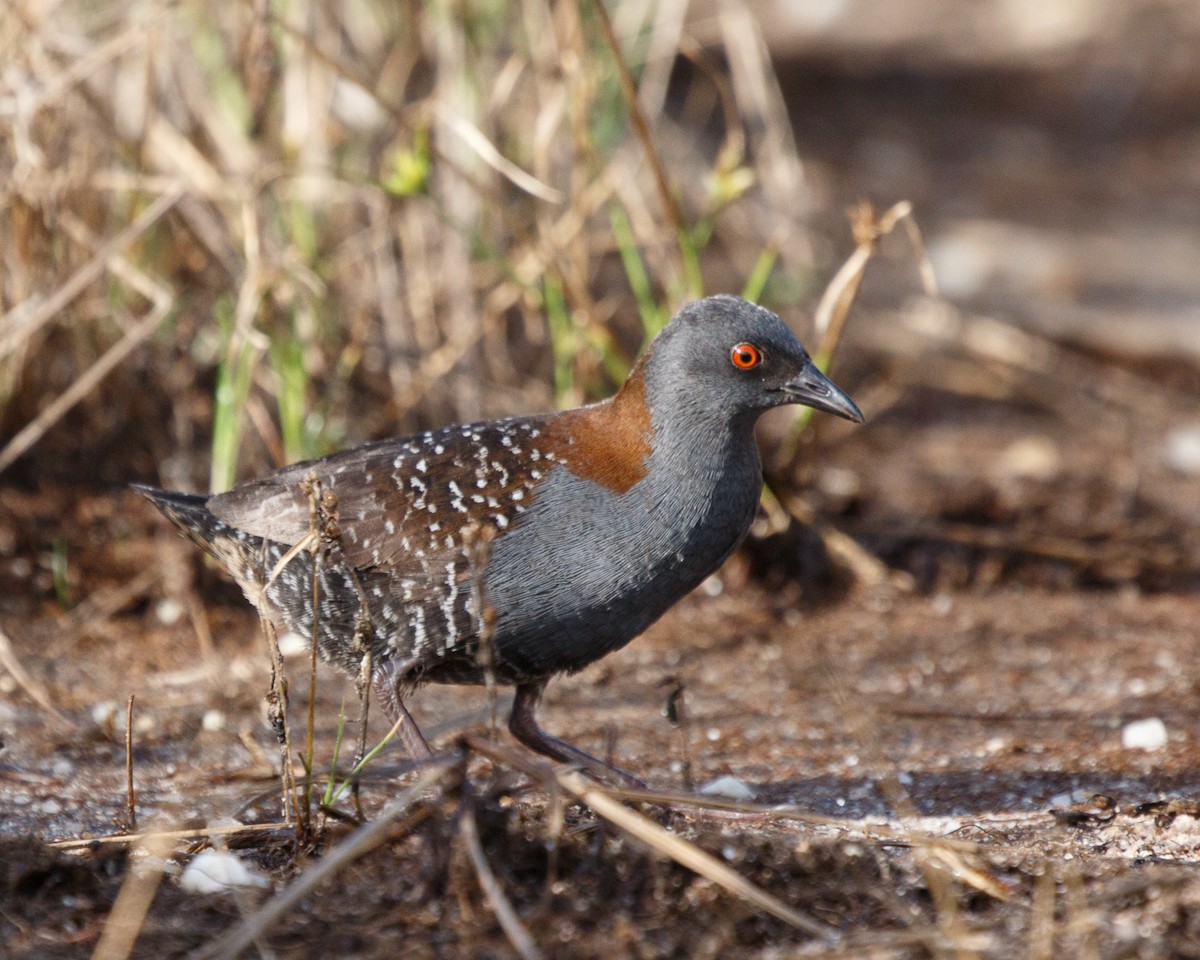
x: 936, y: 760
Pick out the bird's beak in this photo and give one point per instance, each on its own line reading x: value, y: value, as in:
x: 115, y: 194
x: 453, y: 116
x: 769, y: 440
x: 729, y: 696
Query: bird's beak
x: 813, y: 389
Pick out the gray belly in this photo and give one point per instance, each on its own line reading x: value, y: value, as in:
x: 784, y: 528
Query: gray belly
x: 572, y: 584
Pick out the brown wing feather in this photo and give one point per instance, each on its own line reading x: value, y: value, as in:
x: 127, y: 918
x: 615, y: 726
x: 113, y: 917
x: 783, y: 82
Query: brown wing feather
x: 403, y: 504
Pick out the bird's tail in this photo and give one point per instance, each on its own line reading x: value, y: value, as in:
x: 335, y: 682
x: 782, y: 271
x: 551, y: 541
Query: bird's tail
x: 237, y: 551
x: 188, y: 511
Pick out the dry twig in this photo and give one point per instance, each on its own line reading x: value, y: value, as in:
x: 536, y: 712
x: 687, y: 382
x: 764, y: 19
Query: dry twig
x: 357, y: 845
x: 506, y: 916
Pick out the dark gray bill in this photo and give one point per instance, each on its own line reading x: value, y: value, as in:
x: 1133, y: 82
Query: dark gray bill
x: 813, y: 389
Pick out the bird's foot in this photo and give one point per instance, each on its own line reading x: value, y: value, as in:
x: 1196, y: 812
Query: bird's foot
x: 523, y: 725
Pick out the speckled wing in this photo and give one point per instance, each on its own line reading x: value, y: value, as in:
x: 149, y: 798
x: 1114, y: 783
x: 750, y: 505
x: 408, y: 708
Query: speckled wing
x: 402, y: 503
x: 407, y: 512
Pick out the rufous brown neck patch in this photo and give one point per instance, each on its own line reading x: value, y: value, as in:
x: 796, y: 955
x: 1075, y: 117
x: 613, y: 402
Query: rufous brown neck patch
x: 607, y: 443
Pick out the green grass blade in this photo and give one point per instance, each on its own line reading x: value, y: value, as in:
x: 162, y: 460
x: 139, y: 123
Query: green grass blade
x: 652, y: 314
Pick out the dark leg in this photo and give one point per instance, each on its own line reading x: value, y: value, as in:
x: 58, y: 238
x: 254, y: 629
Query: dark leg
x: 522, y: 724
x: 387, y: 682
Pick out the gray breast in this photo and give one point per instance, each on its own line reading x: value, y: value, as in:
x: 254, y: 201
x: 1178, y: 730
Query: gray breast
x: 587, y: 569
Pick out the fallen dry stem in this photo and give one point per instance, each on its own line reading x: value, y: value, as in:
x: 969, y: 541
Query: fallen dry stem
x: 100, y: 606
x: 506, y: 916
x: 354, y: 847
x: 10, y: 662
x: 936, y: 866
x: 200, y: 833
x: 686, y: 854
x: 128, y: 913
x: 876, y: 832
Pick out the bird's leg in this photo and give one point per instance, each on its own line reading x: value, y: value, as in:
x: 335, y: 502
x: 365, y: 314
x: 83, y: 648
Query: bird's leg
x: 523, y: 725
x: 388, y: 680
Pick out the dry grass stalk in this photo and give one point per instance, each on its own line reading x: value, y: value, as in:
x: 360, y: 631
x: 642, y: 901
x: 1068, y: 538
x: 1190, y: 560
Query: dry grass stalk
x: 604, y: 803
x: 130, y: 797
x: 37, y: 693
x: 27, y: 318
x: 128, y: 913
x: 641, y: 127
x: 361, y: 842
x: 506, y: 916
x: 169, y: 836
x: 162, y: 301
x: 761, y: 103
x: 867, y: 229
x: 319, y: 526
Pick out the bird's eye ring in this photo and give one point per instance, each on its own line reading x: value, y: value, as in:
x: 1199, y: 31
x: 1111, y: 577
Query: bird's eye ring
x: 745, y: 356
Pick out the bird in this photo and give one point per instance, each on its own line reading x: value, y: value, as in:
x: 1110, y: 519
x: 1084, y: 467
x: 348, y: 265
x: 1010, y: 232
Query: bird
x: 511, y: 551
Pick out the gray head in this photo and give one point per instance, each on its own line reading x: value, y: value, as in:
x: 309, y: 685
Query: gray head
x: 734, y: 358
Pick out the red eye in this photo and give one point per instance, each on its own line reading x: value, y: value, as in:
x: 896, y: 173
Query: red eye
x: 745, y: 356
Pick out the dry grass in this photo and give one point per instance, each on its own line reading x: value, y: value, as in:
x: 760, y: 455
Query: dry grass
x: 298, y: 228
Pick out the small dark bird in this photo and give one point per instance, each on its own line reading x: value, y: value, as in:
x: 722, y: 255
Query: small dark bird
x: 556, y: 538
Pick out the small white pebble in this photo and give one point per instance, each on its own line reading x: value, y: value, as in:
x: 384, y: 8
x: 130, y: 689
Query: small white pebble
x: 1148, y: 734
x: 104, y: 713
x: 712, y: 586
x: 1032, y: 457
x: 215, y: 871
x: 169, y: 611
x: 1181, y: 450
x: 713, y: 734
x: 838, y: 481
x: 728, y: 786
x: 212, y: 721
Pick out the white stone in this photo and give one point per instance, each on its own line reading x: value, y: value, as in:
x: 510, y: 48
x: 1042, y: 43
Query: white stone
x: 169, y: 611
x: 728, y: 786
x: 1181, y: 450
x: 216, y: 871
x: 1148, y: 734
